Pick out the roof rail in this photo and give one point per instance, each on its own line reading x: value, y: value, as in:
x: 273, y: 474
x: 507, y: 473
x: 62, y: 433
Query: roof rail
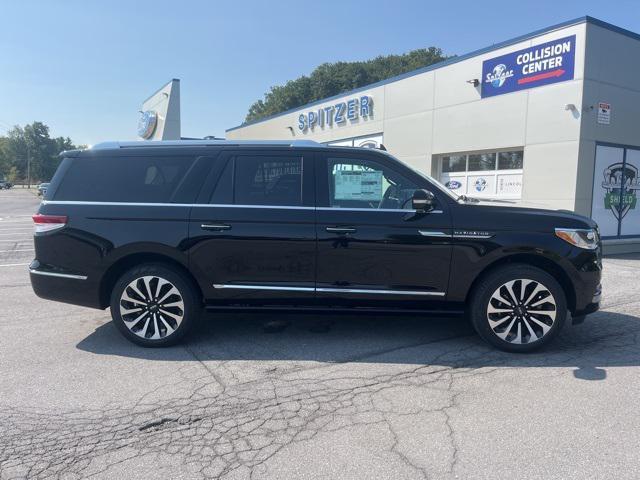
x: 204, y: 143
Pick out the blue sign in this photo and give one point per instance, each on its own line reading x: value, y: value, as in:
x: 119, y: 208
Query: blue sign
x: 337, y: 114
x: 531, y: 67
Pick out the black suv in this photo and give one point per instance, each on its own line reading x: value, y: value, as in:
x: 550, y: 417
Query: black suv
x: 160, y: 230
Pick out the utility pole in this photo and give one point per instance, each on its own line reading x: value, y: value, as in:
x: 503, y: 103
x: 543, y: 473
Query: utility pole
x: 28, y: 167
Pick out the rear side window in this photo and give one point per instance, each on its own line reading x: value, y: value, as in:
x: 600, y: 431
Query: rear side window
x: 123, y: 179
x: 260, y: 180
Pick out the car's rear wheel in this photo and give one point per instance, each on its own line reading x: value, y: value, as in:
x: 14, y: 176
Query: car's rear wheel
x: 154, y: 305
x: 518, y: 308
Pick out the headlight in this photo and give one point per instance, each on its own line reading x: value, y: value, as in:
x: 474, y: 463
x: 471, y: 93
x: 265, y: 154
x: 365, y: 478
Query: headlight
x: 582, y: 238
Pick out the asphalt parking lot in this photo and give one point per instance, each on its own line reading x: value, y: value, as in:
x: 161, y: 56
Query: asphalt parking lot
x: 309, y: 397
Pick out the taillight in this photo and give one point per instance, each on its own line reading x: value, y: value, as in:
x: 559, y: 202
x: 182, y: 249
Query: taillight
x: 47, y: 223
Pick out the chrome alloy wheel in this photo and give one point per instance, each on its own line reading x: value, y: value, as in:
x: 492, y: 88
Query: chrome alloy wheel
x: 521, y: 311
x: 151, y: 307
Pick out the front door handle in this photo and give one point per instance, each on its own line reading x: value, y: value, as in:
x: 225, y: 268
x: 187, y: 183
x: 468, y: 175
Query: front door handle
x: 215, y: 227
x: 341, y: 230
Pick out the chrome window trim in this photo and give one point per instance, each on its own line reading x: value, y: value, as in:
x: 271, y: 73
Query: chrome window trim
x: 325, y: 290
x: 150, y: 204
x: 224, y: 205
x: 325, y: 209
x: 59, y: 275
x: 124, y: 204
x: 278, y: 207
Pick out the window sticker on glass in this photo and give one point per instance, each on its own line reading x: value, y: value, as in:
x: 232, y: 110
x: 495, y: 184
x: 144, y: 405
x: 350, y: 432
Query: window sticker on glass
x: 358, y: 185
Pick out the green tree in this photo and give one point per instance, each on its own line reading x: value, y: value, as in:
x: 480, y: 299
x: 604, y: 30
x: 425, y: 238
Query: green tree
x: 12, y: 175
x: 33, y: 143
x: 331, y: 79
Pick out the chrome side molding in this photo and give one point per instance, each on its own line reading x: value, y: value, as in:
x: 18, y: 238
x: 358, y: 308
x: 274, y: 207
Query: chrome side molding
x: 326, y: 290
x: 59, y: 275
x: 433, y: 233
x: 263, y: 287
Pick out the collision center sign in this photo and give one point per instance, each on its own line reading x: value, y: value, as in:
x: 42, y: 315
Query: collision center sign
x: 531, y: 67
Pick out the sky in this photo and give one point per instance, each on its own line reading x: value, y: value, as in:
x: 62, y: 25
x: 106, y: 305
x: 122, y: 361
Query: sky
x: 85, y: 67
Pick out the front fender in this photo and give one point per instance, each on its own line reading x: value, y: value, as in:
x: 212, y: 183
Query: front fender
x: 577, y: 270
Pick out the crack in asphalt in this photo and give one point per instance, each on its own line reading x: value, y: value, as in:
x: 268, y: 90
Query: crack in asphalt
x: 222, y: 423
x: 241, y: 426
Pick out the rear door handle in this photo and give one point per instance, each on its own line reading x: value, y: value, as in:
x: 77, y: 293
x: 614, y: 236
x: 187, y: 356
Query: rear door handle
x: 341, y: 229
x: 215, y: 227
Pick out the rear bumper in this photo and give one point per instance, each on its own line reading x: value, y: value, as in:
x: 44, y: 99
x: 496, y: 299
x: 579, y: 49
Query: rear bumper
x: 66, y: 287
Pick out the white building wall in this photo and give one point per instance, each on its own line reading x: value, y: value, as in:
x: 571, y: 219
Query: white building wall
x: 438, y: 112
x: 611, y: 76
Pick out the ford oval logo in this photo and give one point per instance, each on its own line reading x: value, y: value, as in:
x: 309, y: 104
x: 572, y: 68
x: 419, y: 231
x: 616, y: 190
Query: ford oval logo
x: 147, y: 124
x: 453, y: 185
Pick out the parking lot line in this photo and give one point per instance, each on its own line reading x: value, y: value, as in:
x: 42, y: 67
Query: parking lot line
x: 19, y: 250
x: 13, y: 264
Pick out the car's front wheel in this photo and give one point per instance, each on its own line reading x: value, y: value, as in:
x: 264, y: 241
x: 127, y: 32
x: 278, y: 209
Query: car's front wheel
x: 154, y: 305
x: 518, y: 308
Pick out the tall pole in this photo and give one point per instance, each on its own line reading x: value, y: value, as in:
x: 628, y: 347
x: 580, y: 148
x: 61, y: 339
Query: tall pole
x: 28, y: 167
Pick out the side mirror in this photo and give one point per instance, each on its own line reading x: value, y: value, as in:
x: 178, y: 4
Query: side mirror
x: 423, y: 201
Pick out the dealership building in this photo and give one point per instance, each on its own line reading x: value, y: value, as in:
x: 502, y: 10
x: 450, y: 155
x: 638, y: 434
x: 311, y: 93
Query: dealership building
x: 550, y: 118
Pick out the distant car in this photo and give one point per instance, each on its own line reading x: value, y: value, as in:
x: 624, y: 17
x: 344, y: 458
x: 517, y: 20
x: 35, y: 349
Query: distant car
x: 42, y: 189
x: 5, y: 185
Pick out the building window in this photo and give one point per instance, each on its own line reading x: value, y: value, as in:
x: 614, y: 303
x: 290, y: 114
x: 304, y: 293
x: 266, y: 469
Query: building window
x: 496, y: 174
x: 510, y: 160
x: 454, y: 163
x: 482, y: 161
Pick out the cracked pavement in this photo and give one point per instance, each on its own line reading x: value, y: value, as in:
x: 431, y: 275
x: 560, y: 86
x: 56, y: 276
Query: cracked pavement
x: 339, y: 397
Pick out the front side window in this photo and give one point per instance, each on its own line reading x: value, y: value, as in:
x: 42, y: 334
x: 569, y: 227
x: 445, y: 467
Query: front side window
x: 267, y: 180
x: 357, y: 183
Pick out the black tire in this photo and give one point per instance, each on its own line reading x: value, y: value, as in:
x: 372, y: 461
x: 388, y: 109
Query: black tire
x: 546, y: 323
x: 184, y: 305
